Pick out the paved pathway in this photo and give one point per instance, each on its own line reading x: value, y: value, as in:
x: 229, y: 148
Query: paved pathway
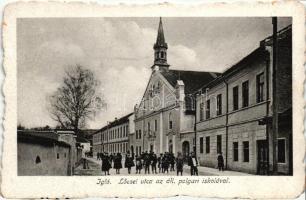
x: 95, y: 170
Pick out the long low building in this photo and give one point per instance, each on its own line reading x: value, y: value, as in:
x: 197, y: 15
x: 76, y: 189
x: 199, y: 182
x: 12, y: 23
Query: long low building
x: 114, y: 137
x: 46, y: 153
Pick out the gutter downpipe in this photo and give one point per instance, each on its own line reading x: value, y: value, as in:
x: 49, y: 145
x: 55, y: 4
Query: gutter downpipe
x: 267, y: 112
x: 274, y: 93
x: 195, y: 125
x: 226, y: 123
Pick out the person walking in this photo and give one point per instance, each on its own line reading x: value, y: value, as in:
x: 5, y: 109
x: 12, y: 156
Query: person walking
x: 129, y: 162
x: 153, y: 163
x: 193, y: 163
x: 147, y: 163
x: 118, y: 163
x: 166, y: 163
x: 179, y: 164
x: 160, y: 163
x: 138, y: 164
x: 172, y: 161
x: 105, y: 164
x: 220, y: 162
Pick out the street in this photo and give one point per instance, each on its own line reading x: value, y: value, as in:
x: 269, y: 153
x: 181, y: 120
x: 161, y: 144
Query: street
x: 95, y: 170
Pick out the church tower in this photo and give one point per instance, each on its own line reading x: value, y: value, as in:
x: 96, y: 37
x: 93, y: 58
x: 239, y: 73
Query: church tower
x: 160, y: 49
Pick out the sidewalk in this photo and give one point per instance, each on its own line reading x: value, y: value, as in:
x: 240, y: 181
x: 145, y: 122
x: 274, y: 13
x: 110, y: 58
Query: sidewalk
x: 216, y: 172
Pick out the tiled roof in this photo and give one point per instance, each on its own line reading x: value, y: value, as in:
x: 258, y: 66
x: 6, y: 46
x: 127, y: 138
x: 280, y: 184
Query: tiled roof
x: 116, y: 122
x: 192, y: 79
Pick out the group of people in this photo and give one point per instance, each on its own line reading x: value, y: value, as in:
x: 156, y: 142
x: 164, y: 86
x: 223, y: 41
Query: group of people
x: 150, y: 162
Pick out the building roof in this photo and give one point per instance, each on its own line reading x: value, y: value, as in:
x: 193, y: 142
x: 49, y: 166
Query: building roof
x: 42, y: 137
x: 257, y: 54
x: 192, y: 79
x: 116, y: 122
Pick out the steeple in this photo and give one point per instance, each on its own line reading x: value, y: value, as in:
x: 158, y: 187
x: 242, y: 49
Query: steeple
x: 160, y: 48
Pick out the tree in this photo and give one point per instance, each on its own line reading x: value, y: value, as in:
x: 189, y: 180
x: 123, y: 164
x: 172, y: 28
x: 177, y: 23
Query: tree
x: 76, y: 100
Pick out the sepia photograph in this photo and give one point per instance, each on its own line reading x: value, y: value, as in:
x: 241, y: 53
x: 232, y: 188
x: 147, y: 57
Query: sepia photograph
x: 153, y: 100
x: 154, y: 96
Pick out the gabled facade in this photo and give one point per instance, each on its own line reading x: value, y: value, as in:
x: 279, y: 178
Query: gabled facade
x: 164, y: 119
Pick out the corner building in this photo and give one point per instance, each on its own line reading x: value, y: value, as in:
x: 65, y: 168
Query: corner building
x: 235, y: 112
x: 165, y: 117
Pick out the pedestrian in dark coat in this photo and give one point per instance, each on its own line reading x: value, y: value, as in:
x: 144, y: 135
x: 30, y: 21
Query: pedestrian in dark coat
x: 153, y: 163
x: 193, y: 163
x: 118, y: 163
x: 166, y: 163
x: 138, y: 164
x: 105, y: 164
x: 172, y: 161
x: 147, y: 163
x: 129, y: 163
x: 220, y: 162
x: 160, y: 163
x: 179, y: 164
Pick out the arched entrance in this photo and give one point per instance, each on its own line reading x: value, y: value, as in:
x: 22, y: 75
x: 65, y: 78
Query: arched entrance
x: 185, y: 148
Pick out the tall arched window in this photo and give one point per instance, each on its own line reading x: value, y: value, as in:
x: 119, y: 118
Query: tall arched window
x: 170, y: 121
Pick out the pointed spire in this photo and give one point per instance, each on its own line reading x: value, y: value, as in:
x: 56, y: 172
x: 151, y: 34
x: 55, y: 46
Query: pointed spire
x: 160, y: 35
x: 160, y: 49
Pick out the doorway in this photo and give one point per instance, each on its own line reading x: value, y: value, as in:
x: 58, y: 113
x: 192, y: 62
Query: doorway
x: 186, y: 149
x: 262, y: 157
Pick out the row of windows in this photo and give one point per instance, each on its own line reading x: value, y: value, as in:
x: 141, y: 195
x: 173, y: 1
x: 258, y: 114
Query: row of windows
x: 155, y: 127
x: 246, y: 151
x: 138, y: 150
x: 115, y: 133
x: 207, y: 144
x: 245, y: 97
x: 161, y: 54
x: 281, y: 149
x: 115, y: 147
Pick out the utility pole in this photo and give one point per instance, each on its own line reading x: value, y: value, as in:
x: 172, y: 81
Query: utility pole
x: 275, y: 96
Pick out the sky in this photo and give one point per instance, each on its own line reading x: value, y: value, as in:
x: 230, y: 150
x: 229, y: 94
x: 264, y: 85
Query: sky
x: 120, y: 53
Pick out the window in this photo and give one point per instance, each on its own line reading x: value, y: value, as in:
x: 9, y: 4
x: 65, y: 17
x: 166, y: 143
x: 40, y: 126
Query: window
x: 281, y: 151
x: 57, y: 155
x: 235, y: 98
x: 245, y: 94
x: 139, y: 134
x: 207, y: 109
x: 219, y: 104
x: 155, y: 125
x: 219, y: 143
x: 170, y: 121
x: 136, y: 134
x: 37, y: 160
x: 246, y: 151
x: 260, y: 88
x: 235, y: 151
x: 149, y: 127
x: 201, y: 145
x: 207, y: 145
x: 201, y: 111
